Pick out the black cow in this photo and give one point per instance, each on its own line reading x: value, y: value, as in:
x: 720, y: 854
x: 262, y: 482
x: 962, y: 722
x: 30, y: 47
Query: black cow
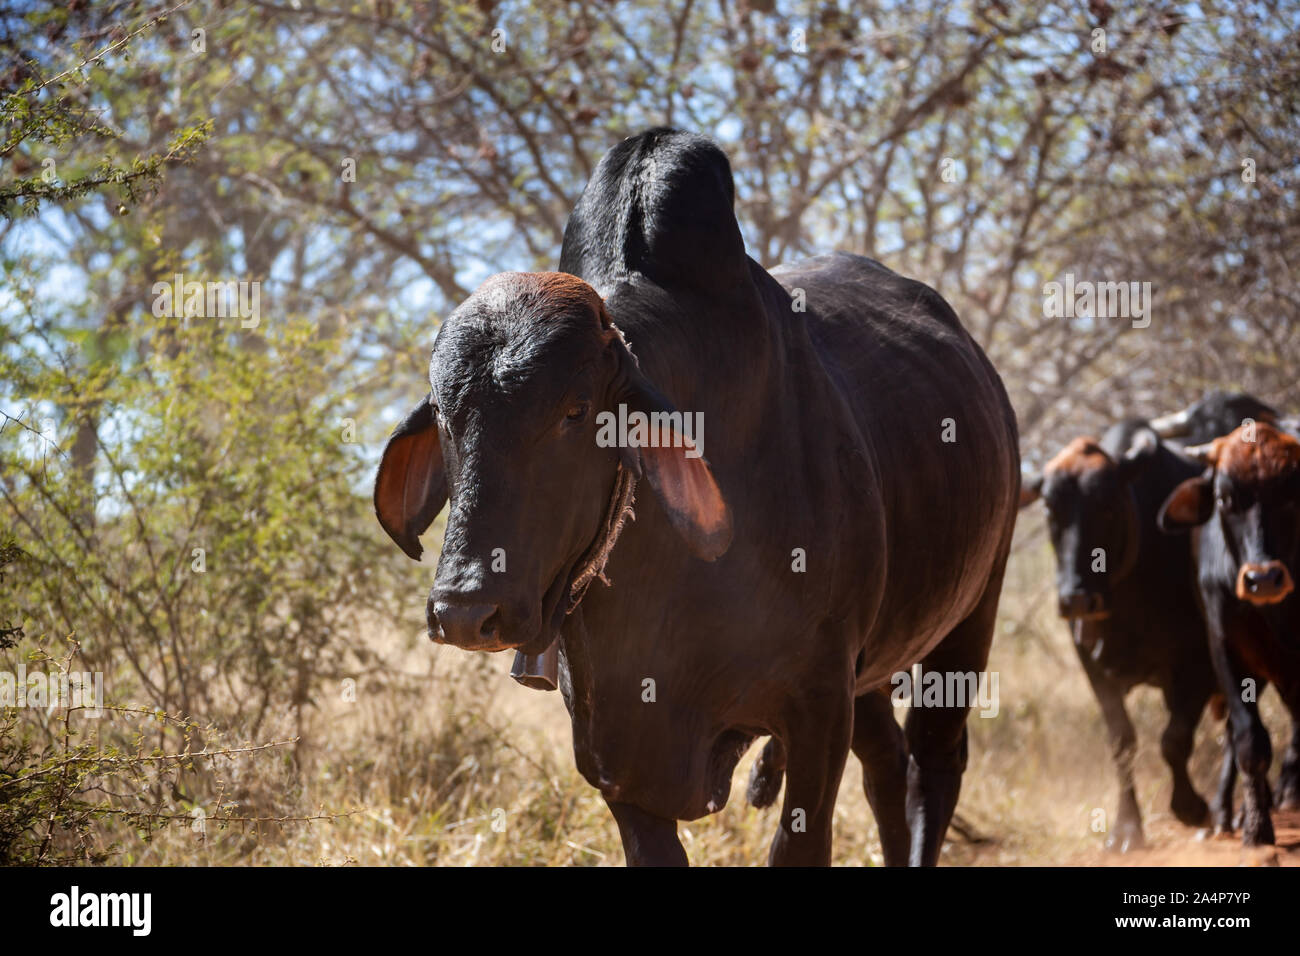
x: 1245, y: 508
x: 1129, y: 594
x: 834, y: 536
x: 1217, y: 413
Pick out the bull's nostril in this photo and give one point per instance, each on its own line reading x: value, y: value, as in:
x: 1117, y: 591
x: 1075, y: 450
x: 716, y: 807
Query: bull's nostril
x: 466, y: 625
x: 1081, y: 604
x: 1265, y: 578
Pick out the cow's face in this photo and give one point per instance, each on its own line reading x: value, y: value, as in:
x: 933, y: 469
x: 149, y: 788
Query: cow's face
x: 1252, y: 485
x: 508, y: 432
x: 1092, y: 519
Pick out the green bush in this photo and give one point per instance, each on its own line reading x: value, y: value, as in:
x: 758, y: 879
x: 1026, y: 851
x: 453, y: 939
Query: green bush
x: 209, y: 558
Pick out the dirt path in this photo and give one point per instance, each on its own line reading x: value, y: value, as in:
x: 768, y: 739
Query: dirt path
x: 1169, y: 844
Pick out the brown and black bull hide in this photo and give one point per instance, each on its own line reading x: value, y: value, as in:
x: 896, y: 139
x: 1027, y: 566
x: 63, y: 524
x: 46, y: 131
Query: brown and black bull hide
x: 846, y: 512
x: 1244, y: 515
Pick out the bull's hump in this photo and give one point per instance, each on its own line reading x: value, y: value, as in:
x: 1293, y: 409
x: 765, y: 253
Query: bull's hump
x: 661, y: 204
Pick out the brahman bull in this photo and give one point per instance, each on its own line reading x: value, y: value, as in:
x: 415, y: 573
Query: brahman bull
x: 847, y: 513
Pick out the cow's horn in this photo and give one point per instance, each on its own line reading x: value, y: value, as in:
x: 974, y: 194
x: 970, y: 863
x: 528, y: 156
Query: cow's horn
x: 1172, y: 425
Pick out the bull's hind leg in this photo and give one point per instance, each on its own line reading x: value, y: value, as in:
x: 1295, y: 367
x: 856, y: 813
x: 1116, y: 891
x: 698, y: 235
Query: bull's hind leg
x: 765, y: 778
x: 879, y: 744
x: 936, y: 736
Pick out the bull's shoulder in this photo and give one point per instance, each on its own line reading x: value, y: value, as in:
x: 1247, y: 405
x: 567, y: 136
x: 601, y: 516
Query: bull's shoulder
x: 843, y: 289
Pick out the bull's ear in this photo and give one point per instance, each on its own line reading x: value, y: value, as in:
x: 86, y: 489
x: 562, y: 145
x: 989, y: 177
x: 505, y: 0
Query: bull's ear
x: 411, y: 487
x: 679, y: 475
x: 1188, y: 505
x: 1031, y: 489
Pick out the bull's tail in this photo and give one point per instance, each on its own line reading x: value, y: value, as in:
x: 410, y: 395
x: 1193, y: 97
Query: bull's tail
x: 765, y: 778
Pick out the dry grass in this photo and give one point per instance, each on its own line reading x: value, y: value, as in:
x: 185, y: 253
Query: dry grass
x: 439, y: 745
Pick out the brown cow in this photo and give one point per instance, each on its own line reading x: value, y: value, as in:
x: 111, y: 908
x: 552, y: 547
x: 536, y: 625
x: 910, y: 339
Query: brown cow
x: 1246, y: 512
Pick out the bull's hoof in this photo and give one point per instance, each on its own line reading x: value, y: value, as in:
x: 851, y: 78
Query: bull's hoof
x: 1126, y: 837
x: 1190, y: 809
x: 764, y: 785
x: 1223, y: 829
x: 1257, y: 831
x: 1221, y: 819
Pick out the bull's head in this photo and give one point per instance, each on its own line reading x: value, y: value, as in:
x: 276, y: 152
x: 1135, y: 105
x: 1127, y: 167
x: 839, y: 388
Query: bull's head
x: 1253, y: 484
x: 1217, y: 413
x: 1092, y: 518
x: 508, y: 432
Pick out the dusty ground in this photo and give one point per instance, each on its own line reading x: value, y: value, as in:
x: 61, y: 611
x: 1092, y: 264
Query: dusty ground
x: 1174, y: 845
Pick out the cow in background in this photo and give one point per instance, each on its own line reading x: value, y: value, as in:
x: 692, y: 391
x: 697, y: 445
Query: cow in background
x: 1129, y: 596
x: 1244, y: 510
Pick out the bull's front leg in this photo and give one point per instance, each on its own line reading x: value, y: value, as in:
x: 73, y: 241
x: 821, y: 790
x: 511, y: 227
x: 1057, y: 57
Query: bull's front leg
x: 817, y: 738
x: 1250, y: 743
x: 1125, y: 833
x: 1223, y: 824
x: 648, y: 840
x: 1254, y: 753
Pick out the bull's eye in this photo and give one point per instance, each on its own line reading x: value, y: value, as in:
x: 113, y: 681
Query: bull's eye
x: 1225, y: 501
x: 577, y: 412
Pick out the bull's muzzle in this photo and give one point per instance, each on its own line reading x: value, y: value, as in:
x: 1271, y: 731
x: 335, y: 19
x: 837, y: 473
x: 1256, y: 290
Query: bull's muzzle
x: 474, y: 627
x: 1264, y: 582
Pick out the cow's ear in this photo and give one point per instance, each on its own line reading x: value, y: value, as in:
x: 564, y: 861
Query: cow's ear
x: 1031, y: 489
x: 1141, y: 452
x: 1188, y: 505
x: 676, y: 470
x: 411, y: 487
